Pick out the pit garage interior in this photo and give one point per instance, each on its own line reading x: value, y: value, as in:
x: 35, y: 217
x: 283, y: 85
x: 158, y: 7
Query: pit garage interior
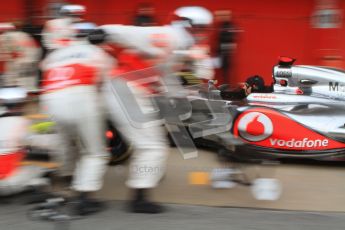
x: 266, y: 29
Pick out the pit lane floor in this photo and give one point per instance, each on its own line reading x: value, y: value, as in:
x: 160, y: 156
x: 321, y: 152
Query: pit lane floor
x: 318, y: 188
x: 186, y: 217
x: 305, y: 187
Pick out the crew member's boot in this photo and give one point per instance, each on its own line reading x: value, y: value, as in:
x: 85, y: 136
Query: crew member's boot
x: 85, y: 205
x: 140, y: 203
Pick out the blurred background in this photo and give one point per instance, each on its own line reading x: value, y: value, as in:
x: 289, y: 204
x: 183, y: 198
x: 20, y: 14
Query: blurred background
x: 245, y: 39
x: 309, y: 30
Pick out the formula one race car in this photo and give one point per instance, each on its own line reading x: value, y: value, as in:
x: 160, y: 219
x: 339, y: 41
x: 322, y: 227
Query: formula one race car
x: 303, y: 116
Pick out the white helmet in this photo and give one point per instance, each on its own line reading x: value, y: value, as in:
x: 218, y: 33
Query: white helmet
x: 83, y: 29
x: 194, y: 15
x: 12, y: 96
x: 72, y: 10
x: 6, y: 27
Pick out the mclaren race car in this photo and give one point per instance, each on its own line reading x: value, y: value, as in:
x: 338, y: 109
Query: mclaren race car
x: 302, y: 115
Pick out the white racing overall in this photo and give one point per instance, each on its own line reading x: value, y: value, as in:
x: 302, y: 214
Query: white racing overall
x: 15, y: 178
x: 149, y: 143
x: 20, y: 54
x: 71, y: 97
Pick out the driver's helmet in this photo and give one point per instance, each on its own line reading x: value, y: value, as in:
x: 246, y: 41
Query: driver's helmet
x: 256, y: 83
x: 5, y: 26
x: 192, y: 16
x: 72, y: 11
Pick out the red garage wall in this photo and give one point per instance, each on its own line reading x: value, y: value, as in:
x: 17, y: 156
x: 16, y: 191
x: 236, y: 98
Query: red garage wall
x: 270, y: 28
x: 12, y: 10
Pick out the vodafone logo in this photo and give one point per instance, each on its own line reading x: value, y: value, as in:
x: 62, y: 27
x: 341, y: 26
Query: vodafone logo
x: 255, y: 126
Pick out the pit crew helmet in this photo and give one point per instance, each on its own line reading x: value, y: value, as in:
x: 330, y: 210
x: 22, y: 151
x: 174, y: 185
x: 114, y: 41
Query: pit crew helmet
x: 5, y: 26
x: 72, y: 10
x: 83, y: 29
x: 192, y: 16
x: 12, y: 96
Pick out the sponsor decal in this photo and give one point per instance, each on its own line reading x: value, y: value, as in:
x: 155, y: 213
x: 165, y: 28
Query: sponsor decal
x: 255, y: 126
x: 160, y: 40
x: 62, y: 84
x: 283, y: 73
x: 267, y: 96
x: 336, y: 87
x: 272, y: 129
x: 298, y: 91
x: 294, y: 143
